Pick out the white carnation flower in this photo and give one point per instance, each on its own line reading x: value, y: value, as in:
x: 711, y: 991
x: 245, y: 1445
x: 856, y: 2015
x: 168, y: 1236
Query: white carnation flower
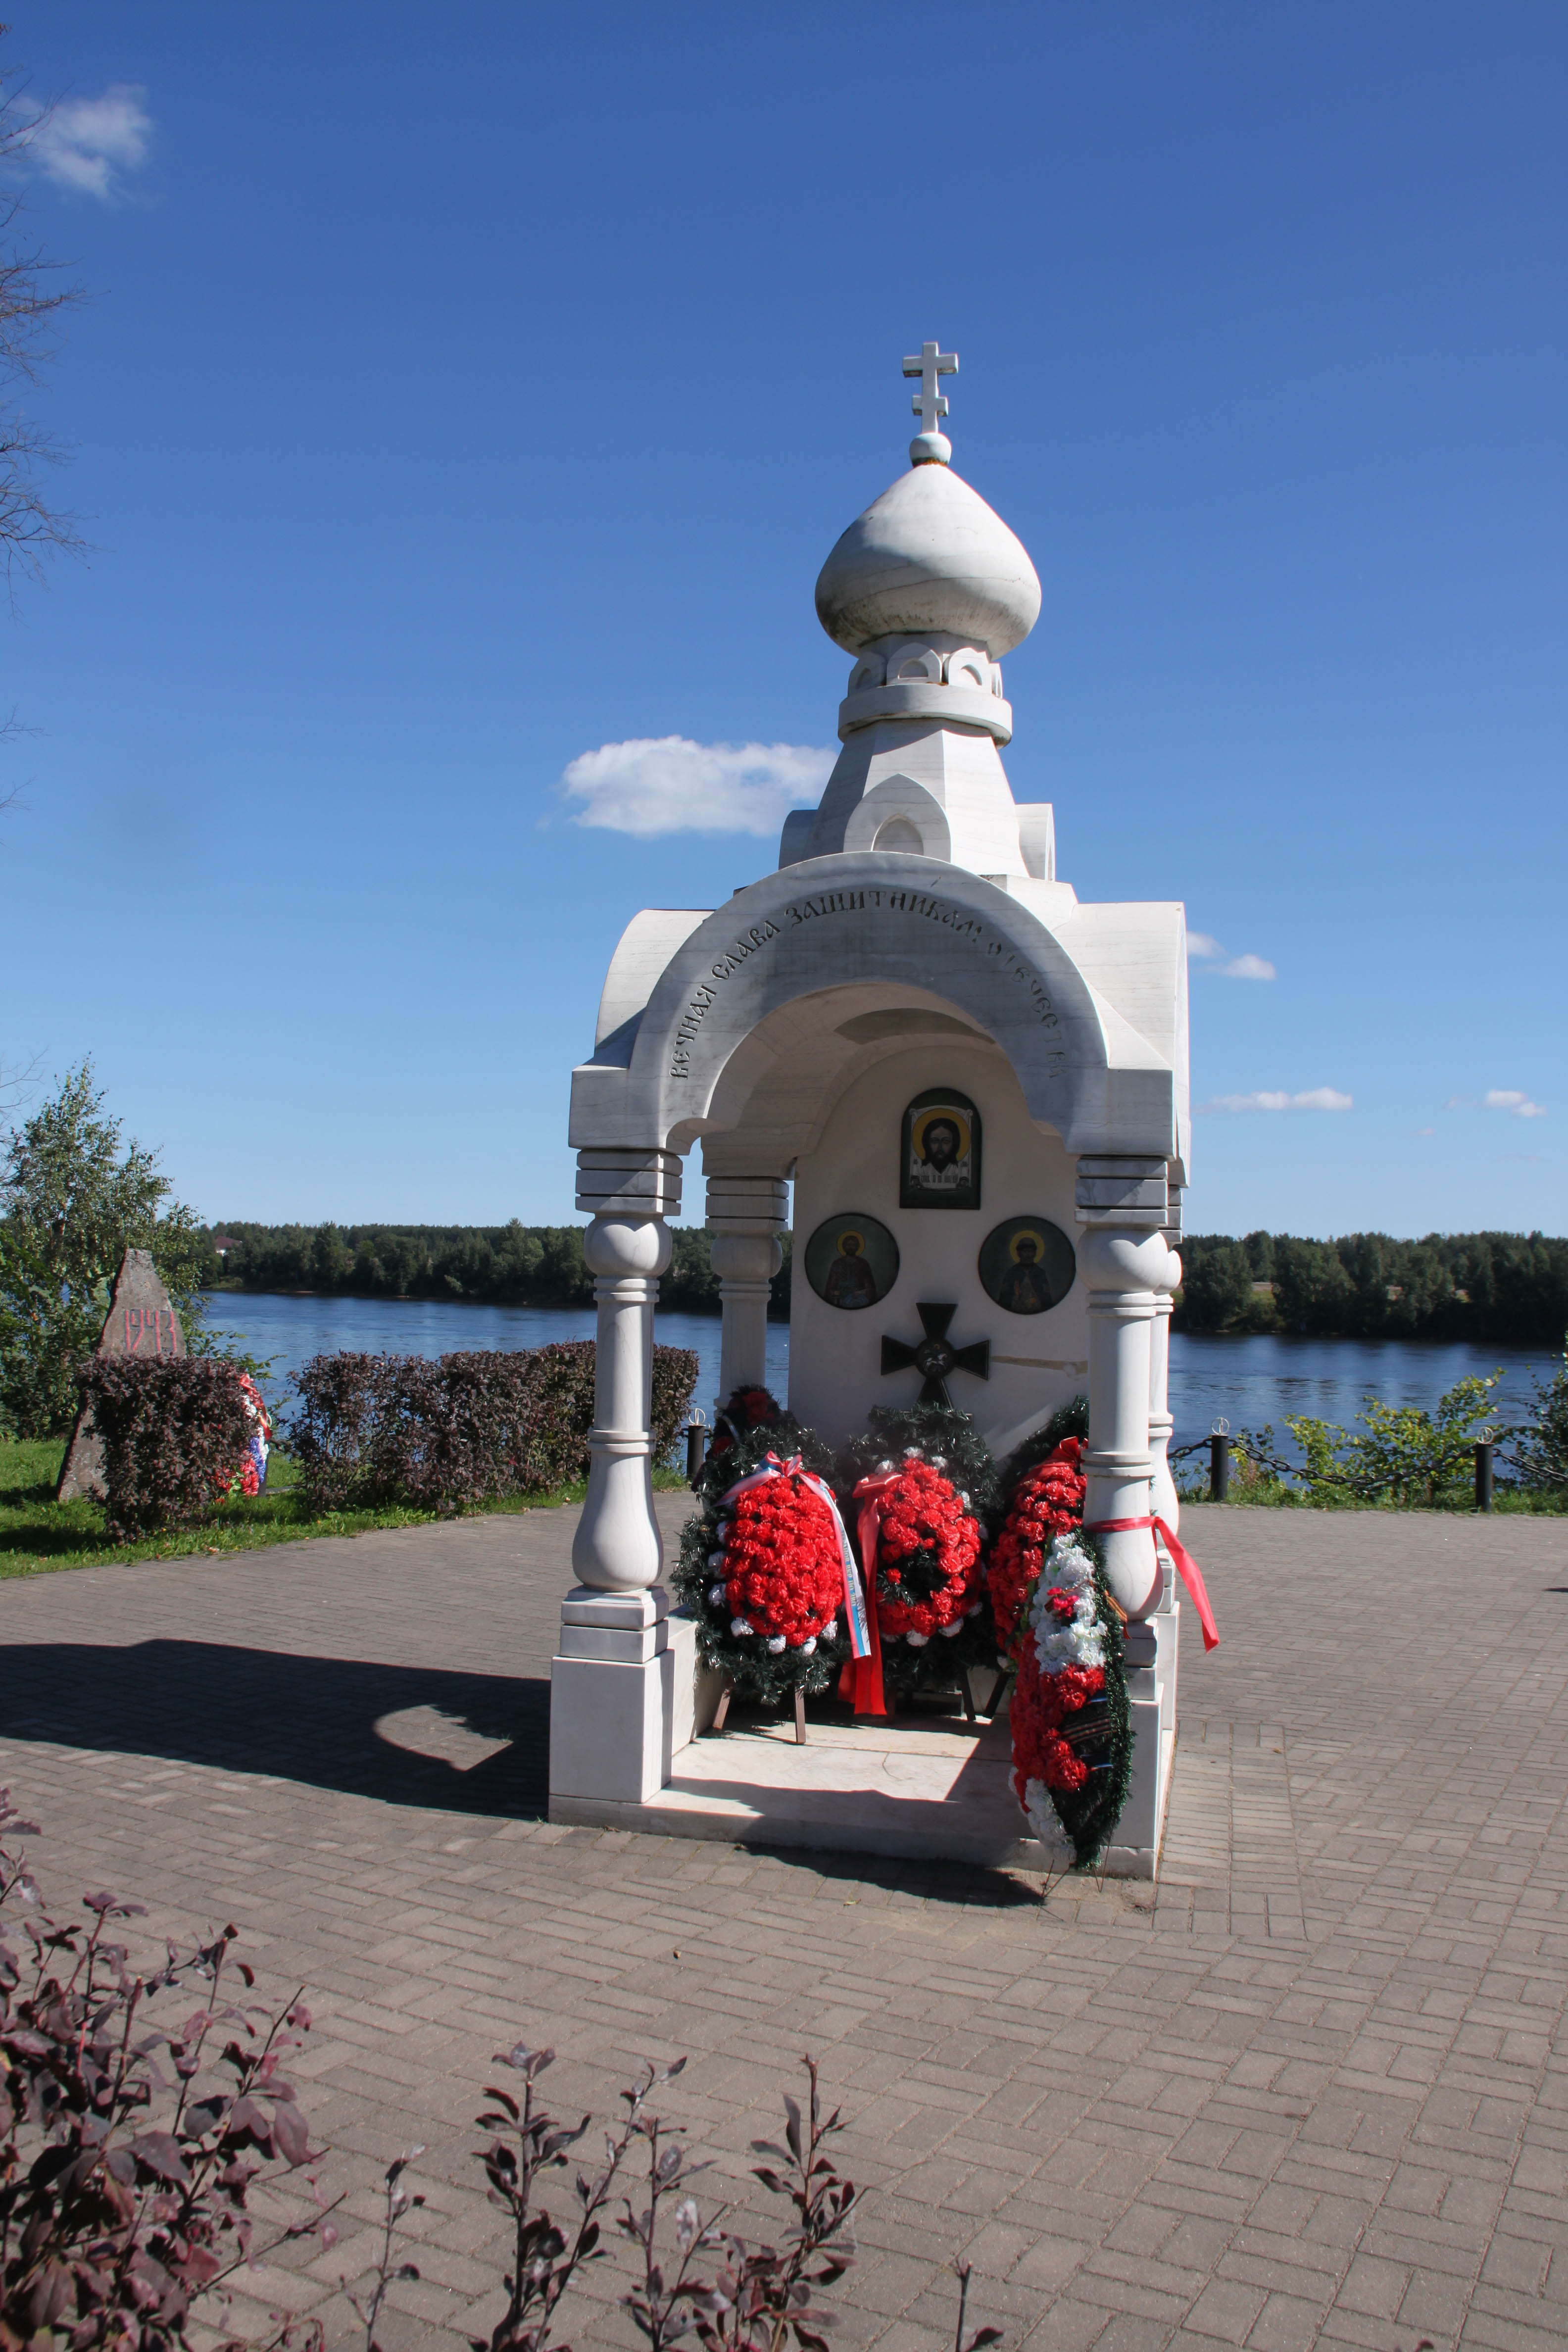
x: 715, y: 1559
x: 917, y: 1641
x: 1045, y: 1823
x: 775, y: 1642
x: 739, y: 1625
x: 950, y: 1632
x: 807, y: 1646
x: 717, y: 1595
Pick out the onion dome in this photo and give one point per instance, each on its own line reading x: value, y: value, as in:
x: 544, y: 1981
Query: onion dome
x: 929, y: 559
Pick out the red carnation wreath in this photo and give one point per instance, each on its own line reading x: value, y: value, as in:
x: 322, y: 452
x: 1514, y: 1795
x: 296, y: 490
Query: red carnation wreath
x: 928, y: 1551
x: 1047, y: 1501
x: 778, y: 1565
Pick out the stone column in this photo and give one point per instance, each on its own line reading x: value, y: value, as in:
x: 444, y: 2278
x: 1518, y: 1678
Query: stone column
x: 1163, y: 1486
x: 746, y: 1216
x: 613, y: 1680
x: 1122, y: 1256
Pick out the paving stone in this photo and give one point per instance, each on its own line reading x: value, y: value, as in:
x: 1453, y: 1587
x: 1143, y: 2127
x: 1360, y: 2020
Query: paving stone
x: 1313, y: 2089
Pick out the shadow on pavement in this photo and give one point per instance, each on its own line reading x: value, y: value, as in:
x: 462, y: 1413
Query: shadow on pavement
x: 408, y: 1734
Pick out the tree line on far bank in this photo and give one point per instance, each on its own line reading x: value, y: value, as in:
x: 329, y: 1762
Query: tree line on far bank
x: 503, y: 1266
x: 1489, y: 1287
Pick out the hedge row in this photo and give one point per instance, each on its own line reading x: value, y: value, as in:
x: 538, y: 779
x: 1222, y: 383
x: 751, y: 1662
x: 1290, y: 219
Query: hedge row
x: 439, y: 1435
x: 447, y: 1431
x: 172, y: 1430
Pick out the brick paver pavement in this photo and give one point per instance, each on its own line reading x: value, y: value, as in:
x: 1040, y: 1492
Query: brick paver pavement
x: 1317, y: 2093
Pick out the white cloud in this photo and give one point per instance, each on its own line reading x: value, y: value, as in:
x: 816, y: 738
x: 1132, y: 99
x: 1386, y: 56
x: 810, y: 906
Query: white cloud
x: 1314, y: 1099
x: 1426, y: 1130
x: 1202, y: 944
x: 89, y: 144
x: 666, y: 783
x: 1509, y: 1098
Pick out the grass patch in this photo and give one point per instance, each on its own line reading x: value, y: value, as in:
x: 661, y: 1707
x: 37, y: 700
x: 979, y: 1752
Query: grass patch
x: 1274, y: 1495
x: 37, y: 1534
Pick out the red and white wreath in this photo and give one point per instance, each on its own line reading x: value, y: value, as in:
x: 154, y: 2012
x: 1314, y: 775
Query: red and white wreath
x: 249, y: 1474
x: 1071, y: 1741
x: 1047, y: 1501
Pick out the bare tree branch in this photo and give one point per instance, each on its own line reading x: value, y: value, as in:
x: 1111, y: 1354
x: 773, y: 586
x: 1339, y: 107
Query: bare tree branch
x: 34, y: 294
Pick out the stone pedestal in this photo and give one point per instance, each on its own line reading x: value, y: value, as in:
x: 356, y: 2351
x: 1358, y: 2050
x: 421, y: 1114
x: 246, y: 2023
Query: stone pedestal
x: 1151, y: 1662
x: 612, y: 1686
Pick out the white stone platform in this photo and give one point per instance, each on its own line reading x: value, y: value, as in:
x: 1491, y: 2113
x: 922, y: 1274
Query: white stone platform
x: 935, y: 1788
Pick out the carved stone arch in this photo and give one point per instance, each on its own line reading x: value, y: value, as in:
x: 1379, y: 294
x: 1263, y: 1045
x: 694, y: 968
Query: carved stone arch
x: 922, y: 930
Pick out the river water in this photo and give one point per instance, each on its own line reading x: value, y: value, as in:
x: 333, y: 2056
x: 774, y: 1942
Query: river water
x: 1246, y: 1381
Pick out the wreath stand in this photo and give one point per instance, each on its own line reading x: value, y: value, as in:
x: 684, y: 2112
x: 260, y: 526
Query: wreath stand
x: 961, y: 1683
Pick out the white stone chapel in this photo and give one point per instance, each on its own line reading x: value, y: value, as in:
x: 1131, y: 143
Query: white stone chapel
x: 978, y: 1087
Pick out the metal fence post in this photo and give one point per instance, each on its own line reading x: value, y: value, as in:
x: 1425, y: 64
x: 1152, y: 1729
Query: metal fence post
x: 696, y: 1450
x: 1219, y: 1467
x: 1484, y: 1475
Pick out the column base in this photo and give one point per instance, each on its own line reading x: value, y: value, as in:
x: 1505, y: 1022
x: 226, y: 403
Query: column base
x: 1150, y: 1661
x: 615, y: 1691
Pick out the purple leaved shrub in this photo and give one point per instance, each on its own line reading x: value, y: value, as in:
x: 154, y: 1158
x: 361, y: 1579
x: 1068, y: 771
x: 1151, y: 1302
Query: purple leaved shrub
x: 173, y: 1429
x: 446, y: 1433
x: 132, y: 2150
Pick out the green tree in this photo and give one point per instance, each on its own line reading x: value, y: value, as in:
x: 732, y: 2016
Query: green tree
x: 1543, y: 1453
x: 1312, y: 1288
x: 1405, y: 1455
x: 1216, y: 1283
x: 75, y: 1197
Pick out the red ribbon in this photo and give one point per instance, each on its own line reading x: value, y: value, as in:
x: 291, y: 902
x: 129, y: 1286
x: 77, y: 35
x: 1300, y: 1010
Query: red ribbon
x: 862, y: 1678
x: 1185, y: 1566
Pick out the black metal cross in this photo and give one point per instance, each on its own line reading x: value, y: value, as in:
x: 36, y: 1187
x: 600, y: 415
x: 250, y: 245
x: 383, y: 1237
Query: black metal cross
x: 934, y: 1359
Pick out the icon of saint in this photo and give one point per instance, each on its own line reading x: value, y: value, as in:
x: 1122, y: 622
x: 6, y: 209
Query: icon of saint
x: 851, y: 1281
x: 1025, y: 1289
x: 939, y: 1163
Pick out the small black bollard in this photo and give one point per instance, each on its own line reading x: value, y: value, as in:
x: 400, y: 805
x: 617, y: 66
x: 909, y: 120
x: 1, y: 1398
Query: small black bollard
x: 1219, y: 1467
x: 1484, y: 1475
x: 696, y: 1449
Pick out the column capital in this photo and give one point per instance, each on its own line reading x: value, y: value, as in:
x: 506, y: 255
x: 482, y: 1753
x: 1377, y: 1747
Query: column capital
x: 747, y: 1204
x: 616, y: 1180
x: 1121, y: 1189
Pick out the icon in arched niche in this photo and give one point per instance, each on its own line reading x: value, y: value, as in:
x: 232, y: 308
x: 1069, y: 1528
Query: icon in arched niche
x: 1027, y: 1265
x: 939, y: 1164
x: 852, y: 1260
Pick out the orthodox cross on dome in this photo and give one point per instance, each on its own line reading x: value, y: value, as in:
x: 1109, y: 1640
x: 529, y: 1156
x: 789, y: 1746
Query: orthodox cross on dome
x: 929, y: 404
x: 935, y: 1358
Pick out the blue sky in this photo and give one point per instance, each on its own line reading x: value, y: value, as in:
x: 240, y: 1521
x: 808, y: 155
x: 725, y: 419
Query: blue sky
x: 468, y: 392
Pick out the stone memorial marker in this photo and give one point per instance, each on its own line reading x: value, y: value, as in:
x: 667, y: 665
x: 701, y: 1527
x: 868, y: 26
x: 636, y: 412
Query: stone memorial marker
x: 141, y: 1321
